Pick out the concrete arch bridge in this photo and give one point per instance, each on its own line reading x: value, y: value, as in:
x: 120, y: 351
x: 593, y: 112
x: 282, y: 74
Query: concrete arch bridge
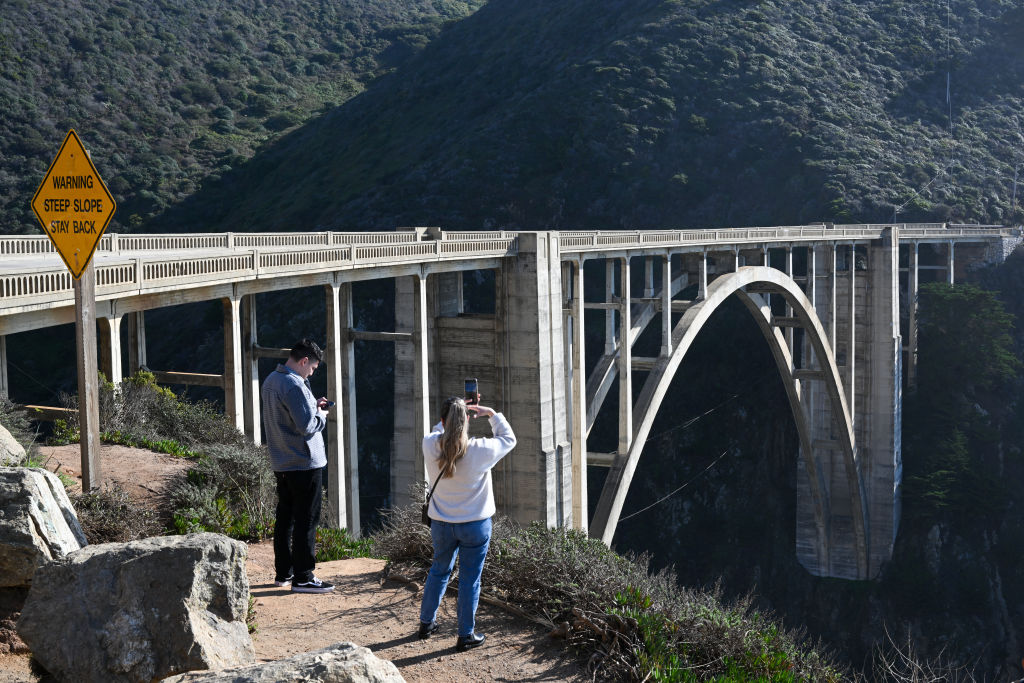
x: 840, y: 320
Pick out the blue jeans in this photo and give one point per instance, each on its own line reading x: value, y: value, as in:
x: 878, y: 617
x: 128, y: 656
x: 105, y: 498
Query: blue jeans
x: 472, y: 539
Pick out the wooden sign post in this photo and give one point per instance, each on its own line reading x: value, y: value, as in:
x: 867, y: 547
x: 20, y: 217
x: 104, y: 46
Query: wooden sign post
x: 75, y: 207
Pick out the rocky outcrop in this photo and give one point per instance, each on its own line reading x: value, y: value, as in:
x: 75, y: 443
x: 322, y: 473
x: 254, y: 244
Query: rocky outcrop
x: 37, y: 523
x: 11, y: 452
x: 141, y: 611
x: 339, y: 663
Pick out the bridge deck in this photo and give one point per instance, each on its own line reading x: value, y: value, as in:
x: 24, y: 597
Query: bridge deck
x: 33, y: 278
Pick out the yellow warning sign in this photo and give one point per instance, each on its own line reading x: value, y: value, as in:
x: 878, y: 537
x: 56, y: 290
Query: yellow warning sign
x: 73, y: 205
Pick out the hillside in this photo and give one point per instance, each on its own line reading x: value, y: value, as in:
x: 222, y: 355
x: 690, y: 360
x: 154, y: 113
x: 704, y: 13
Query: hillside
x: 168, y: 94
x: 525, y: 113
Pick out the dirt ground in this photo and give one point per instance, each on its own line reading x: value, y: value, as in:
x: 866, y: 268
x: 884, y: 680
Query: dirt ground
x: 382, y: 617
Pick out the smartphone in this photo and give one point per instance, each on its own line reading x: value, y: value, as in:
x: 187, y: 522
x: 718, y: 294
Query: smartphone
x: 330, y: 404
x: 472, y: 391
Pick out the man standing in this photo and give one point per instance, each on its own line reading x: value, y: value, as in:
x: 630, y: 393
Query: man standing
x: 294, y: 420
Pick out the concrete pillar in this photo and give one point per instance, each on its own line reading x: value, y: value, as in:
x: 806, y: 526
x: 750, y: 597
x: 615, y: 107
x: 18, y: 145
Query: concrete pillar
x: 337, y: 329
x: 666, y: 305
x: 851, y: 353
x: 578, y: 416
x: 449, y: 293
x: 702, y: 276
x: 833, y: 268
x: 625, y: 364
x: 421, y: 422
x: 405, y: 445
x: 878, y: 436
x: 233, y: 402
x: 538, y: 479
x: 136, y: 341
x: 913, y: 281
x: 789, y: 309
x: 5, y: 387
x: 250, y: 371
x: 648, y: 277
x: 949, y: 263
x: 110, y: 348
x: 609, y: 314
x: 342, y: 443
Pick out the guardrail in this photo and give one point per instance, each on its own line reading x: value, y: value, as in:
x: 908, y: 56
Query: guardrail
x: 144, y: 264
x: 140, y: 263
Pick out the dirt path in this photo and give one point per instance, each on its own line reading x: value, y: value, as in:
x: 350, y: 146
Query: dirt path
x: 383, y: 618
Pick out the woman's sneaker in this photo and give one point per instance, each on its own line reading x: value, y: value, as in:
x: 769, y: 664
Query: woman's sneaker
x: 314, y: 586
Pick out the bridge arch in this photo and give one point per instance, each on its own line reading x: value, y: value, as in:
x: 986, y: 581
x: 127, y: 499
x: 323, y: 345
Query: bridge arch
x: 749, y: 283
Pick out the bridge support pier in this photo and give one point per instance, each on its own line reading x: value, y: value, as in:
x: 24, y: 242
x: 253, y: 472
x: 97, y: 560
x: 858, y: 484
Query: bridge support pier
x: 110, y: 348
x: 876, y: 429
x: 539, y: 474
x: 250, y: 371
x: 5, y: 388
x: 136, y: 341
x: 342, y: 444
x: 578, y: 404
x: 233, y: 400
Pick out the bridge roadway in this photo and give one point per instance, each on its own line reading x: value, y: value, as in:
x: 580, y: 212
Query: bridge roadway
x: 834, y: 331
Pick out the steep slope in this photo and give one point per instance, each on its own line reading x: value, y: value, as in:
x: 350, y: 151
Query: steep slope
x: 652, y: 113
x: 167, y: 93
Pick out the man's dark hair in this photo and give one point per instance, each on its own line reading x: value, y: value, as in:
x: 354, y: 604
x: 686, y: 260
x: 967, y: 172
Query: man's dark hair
x: 307, y: 348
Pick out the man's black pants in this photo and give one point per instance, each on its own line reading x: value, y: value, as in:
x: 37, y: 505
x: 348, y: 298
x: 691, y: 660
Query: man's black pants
x: 299, y: 495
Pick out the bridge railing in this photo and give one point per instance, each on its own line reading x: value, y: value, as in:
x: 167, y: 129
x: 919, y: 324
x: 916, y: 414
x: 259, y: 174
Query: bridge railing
x: 143, y: 264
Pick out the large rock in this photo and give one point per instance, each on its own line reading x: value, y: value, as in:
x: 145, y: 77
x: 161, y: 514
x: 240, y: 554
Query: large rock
x: 11, y: 452
x: 140, y: 611
x: 37, y: 523
x: 339, y: 663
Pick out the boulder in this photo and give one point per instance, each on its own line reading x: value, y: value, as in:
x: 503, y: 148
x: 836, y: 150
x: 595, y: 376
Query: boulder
x: 140, y: 611
x: 37, y: 523
x: 11, y: 452
x: 339, y: 663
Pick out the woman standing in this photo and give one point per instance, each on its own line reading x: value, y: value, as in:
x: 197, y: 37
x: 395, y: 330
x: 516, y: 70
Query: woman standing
x: 460, y: 510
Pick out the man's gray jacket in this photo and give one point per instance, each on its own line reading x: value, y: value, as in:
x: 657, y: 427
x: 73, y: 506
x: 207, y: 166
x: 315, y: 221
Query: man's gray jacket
x: 292, y: 422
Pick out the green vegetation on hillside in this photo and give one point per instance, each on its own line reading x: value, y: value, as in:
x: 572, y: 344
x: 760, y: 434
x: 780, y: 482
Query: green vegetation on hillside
x: 522, y: 113
x: 651, y: 114
x: 169, y: 95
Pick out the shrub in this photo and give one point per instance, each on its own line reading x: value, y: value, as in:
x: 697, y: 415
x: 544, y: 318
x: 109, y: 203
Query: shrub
x: 336, y: 544
x: 231, y: 491
x: 111, y: 516
x: 632, y: 623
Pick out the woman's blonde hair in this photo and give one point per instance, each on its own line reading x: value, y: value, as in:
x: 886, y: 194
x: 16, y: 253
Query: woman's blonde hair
x: 455, y: 438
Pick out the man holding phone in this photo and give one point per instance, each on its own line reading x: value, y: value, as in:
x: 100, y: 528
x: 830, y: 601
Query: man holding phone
x: 294, y: 420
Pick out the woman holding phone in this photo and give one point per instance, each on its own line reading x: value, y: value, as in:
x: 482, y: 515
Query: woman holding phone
x: 460, y: 510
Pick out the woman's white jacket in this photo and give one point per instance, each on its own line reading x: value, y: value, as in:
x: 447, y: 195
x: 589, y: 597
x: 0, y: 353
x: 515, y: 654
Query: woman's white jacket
x: 467, y: 495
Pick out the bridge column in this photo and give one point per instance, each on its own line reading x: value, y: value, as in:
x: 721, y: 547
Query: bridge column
x: 233, y: 401
x: 702, y: 276
x: 666, y: 305
x: 879, y: 434
x: 625, y: 362
x: 609, y: 314
x: 136, y: 341
x: 578, y: 414
x: 250, y: 371
x: 342, y: 444
x: 949, y: 263
x: 5, y: 388
x: 789, y: 309
x: 833, y: 268
x: 913, y: 275
x: 851, y: 349
x: 648, y: 277
x: 539, y: 479
x: 110, y: 348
